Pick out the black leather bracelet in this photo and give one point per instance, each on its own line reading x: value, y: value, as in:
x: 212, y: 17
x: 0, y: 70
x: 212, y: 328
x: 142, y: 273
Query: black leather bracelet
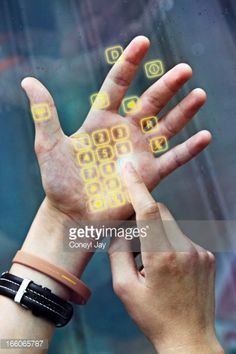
x: 41, y: 301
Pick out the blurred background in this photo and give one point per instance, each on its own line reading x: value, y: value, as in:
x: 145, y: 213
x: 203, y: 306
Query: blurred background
x: 62, y: 43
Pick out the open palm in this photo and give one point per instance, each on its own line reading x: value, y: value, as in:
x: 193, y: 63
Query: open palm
x: 59, y: 167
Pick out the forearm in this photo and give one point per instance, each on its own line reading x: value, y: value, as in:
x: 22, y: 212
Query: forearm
x: 45, y: 240
x: 205, y: 347
x: 192, y: 350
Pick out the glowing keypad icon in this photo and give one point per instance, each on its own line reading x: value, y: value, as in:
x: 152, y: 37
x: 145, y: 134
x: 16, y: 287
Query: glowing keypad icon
x: 97, y: 203
x: 100, y: 100
x: 120, y: 132
x: 113, y: 54
x: 94, y: 188
x: 113, y: 183
x: 101, y: 137
x: 116, y: 199
x: 158, y: 144
x: 108, y: 169
x: 81, y: 141
x: 123, y: 148
x: 154, y: 68
x: 131, y: 105
x: 41, y: 112
x: 98, y: 155
x: 90, y: 173
x: 149, y: 124
x: 104, y: 153
x: 85, y: 157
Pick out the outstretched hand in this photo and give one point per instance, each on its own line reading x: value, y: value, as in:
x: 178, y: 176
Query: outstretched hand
x: 57, y: 160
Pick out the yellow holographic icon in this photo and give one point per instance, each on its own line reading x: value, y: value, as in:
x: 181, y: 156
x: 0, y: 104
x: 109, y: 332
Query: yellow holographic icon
x: 112, y: 184
x: 108, y: 169
x: 89, y: 173
x: 93, y: 188
x: 154, y: 68
x: 116, y: 199
x: 158, y: 144
x: 100, y: 100
x: 41, y: 112
x: 105, y: 153
x: 113, y: 54
x: 85, y: 157
x: 81, y: 141
x: 97, y: 203
x: 120, y: 132
x: 131, y: 105
x: 101, y: 137
x: 123, y: 148
x: 149, y: 124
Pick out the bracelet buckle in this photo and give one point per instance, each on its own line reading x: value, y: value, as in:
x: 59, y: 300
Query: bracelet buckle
x: 21, y: 291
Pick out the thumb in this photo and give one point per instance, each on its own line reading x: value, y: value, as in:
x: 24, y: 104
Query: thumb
x: 47, y: 126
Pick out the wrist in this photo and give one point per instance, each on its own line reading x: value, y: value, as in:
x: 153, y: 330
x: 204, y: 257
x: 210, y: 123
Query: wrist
x: 195, y: 347
x: 192, y: 350
x: 45, y: 240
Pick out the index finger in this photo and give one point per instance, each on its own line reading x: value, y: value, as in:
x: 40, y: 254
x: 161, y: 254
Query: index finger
x: 147, y: 212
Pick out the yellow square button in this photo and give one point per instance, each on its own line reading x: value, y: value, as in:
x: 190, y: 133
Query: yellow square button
x: 40, y: 112
x: 120, y: 132
x: 131, y: 105
x: 116, y: 199
x: 149, y: 124
x: 105, y: 153
x: 97, y: 203
x: 123, y: 148
x: 81, y: 141
x: 112, y: 184
x: 101, y: 137
x: 113, y: 54
x: 159, y: 144
x: 85, y: 157
x: 154, y: 68
x: 108, y: 169
x: 93, y: 188
x: 100, y: 100
x: 89, y: 173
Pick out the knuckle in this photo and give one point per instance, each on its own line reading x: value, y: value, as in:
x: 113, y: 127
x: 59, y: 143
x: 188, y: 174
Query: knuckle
x: 171, y: 130
x: 131, y: 62
x: 209, y: 259
x: 177, y: 159
x: 150, y: 259
x: 193, y: 254
x: 155, y: 102
x: 168, y: 262
x: 121, y: 287
x: 212, y: 258
x: 190, y: 258
x: 204, y: 255
x: 151, y: 209
x: 169, y: 257
x: 39, y: 146
x: 120, y: 80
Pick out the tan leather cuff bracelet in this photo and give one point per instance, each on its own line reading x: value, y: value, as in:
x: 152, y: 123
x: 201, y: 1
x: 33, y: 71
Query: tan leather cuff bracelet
x: 80, y: 292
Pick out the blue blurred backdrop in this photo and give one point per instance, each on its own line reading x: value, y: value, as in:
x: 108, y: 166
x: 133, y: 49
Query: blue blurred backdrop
x: 62, y: 42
